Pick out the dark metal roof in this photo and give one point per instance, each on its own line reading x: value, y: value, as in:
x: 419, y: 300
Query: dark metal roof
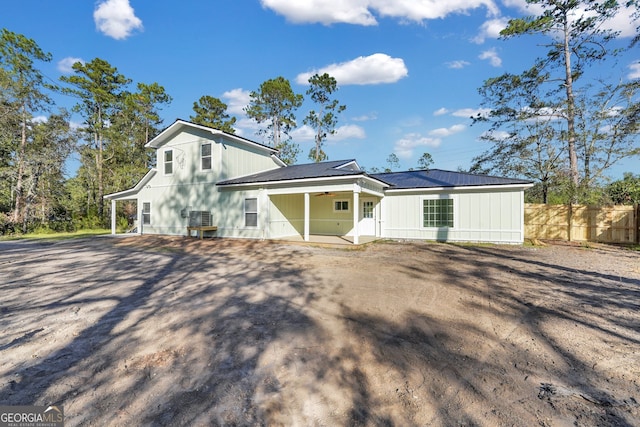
x: 294, y: 172
x: 434, y: 178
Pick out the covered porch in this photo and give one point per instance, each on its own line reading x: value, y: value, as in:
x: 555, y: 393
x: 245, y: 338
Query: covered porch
x: 341, y: 214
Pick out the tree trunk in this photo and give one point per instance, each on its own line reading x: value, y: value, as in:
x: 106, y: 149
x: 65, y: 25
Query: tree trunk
x: 20, y: 173
x: 571, y: 109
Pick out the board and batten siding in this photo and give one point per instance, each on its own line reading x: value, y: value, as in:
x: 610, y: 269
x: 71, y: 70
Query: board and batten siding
x: 479, y: 216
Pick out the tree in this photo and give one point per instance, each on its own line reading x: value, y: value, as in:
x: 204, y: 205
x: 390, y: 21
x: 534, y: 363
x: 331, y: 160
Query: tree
x: 324, y: 121
x: 101, y: 90
x: 425, y: 161
x: 212, y: 112
x: 23, y: 94
x: 275, y: 103
x: 625, y: 191
x: 575, y: 32
x: 393, y: 162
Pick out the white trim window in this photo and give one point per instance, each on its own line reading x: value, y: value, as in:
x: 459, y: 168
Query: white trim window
x: 168, y: 162
x: 251, y: 212
x: 146, y: 213
x: 205, y: 156
x: 341, y: 206
x: 437, y: 213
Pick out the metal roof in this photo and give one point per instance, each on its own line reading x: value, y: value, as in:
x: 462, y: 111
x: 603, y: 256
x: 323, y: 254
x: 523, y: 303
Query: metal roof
x: 304, y: 171
x: 436, y: 178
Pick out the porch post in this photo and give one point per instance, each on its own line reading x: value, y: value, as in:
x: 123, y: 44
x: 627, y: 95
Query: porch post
x: 113, y: 216
x: 356, y: 204
x: 306, y: 217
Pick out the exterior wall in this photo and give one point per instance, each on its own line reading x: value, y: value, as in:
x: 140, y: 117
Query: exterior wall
x: 189, y: 188
x: 479, y: 216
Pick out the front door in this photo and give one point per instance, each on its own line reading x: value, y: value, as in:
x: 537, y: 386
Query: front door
x: 368, y: 218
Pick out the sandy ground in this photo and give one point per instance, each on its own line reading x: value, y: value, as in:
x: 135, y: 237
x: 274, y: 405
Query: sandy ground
x: 176, y: 331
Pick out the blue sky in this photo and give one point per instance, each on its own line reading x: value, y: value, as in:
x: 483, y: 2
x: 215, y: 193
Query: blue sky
x: 408, y: 70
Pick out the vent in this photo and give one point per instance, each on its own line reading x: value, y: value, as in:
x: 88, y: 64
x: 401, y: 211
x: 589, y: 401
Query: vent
x: 199, y: 219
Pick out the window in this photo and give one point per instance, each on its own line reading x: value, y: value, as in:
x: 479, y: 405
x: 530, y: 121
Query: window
x: 205, y: 156
x: 340, y: 205
x: 250, y: 212
x: 168, y: 162
x: 367, y: 209
x: 437, y: 213
x: 146, y: 213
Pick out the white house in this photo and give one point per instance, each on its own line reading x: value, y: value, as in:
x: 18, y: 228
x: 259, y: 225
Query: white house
x: 209, y: 177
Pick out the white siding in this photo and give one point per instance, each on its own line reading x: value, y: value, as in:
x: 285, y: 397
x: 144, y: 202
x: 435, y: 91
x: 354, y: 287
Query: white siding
x: 479, y: 216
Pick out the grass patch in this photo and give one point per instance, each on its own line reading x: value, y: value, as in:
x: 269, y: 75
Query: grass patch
x: 54, y: 237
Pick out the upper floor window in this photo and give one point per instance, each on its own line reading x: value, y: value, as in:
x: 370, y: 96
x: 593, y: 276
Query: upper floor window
x: 205, y: 156
x: 168, y: 162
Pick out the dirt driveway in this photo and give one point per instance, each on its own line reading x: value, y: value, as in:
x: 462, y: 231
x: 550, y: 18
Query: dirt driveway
x: 175, y: 331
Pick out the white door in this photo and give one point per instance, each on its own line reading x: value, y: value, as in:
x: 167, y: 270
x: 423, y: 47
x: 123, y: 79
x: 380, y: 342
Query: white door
x: 368, y: 218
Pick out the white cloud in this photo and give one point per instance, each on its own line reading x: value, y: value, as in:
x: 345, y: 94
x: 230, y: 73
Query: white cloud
x: 635, y: 71
x: 404, y: 147
x: 364, y: 12
x: 236, y: 100
x: 364, y: 70
x: 492, y: 56
x: 444, y: 132
x: 40, y: 119
x: 471, y: 112
x: 457, y: 64
x: 365, y: 117
x: 65, y: 65
x: 347, y: 132
x: 491, y: 29
x: 440, y: 112
x: 116, y: 19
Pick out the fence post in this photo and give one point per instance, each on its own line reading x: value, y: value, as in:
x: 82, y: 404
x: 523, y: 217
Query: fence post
x: 570, y: 221
x: 637, y: 230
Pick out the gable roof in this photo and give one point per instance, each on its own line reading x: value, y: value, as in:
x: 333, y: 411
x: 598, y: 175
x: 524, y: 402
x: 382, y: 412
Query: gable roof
x: 437, y: 178
x: 179, y: 123
x: 337, y: 168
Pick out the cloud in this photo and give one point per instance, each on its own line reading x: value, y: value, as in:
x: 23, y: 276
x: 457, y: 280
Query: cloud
x: 65, y: 64
x: 347, y: 132
x: 491, y: 29
x: 404, y: 147
x: 457, y: 64
x: 116, y: 19
x: 364, y: 12
x: 471, y: 112
x: 236, y: 100
x: 40, y: 119
x: 492, y: 56
x: 365, y: 117
x: 635, y: 71
x: 440, y: 112
x: 364, y: 70
x: 444, y: 132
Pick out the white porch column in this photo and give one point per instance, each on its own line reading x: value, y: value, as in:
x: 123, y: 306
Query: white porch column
x: 307, y: 210
x: 113, y: 216
x: 356, y: 214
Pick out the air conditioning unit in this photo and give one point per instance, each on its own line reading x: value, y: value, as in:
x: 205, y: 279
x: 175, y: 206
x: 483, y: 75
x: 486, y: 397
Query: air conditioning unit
x: 200, y: 219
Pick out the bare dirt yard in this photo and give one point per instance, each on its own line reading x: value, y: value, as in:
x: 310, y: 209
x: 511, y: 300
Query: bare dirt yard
x: 176, y: 331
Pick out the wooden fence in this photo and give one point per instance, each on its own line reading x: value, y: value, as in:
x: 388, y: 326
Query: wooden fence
x: 609, y: 224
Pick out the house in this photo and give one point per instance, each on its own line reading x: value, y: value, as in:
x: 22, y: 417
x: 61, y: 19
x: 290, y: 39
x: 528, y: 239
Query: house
x: 208, y: 177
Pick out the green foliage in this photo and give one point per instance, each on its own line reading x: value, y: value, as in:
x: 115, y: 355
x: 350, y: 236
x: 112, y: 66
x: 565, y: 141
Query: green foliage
x: 274, y: 103
x: 625, y: 191
x: 212, y: 112
x: 546, y: 124
x: 425, y: 161
x: 393, y: 163
x: 323, y: 121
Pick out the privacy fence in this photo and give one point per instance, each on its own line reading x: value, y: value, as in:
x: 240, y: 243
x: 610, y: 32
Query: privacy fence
x: 608, y: 224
